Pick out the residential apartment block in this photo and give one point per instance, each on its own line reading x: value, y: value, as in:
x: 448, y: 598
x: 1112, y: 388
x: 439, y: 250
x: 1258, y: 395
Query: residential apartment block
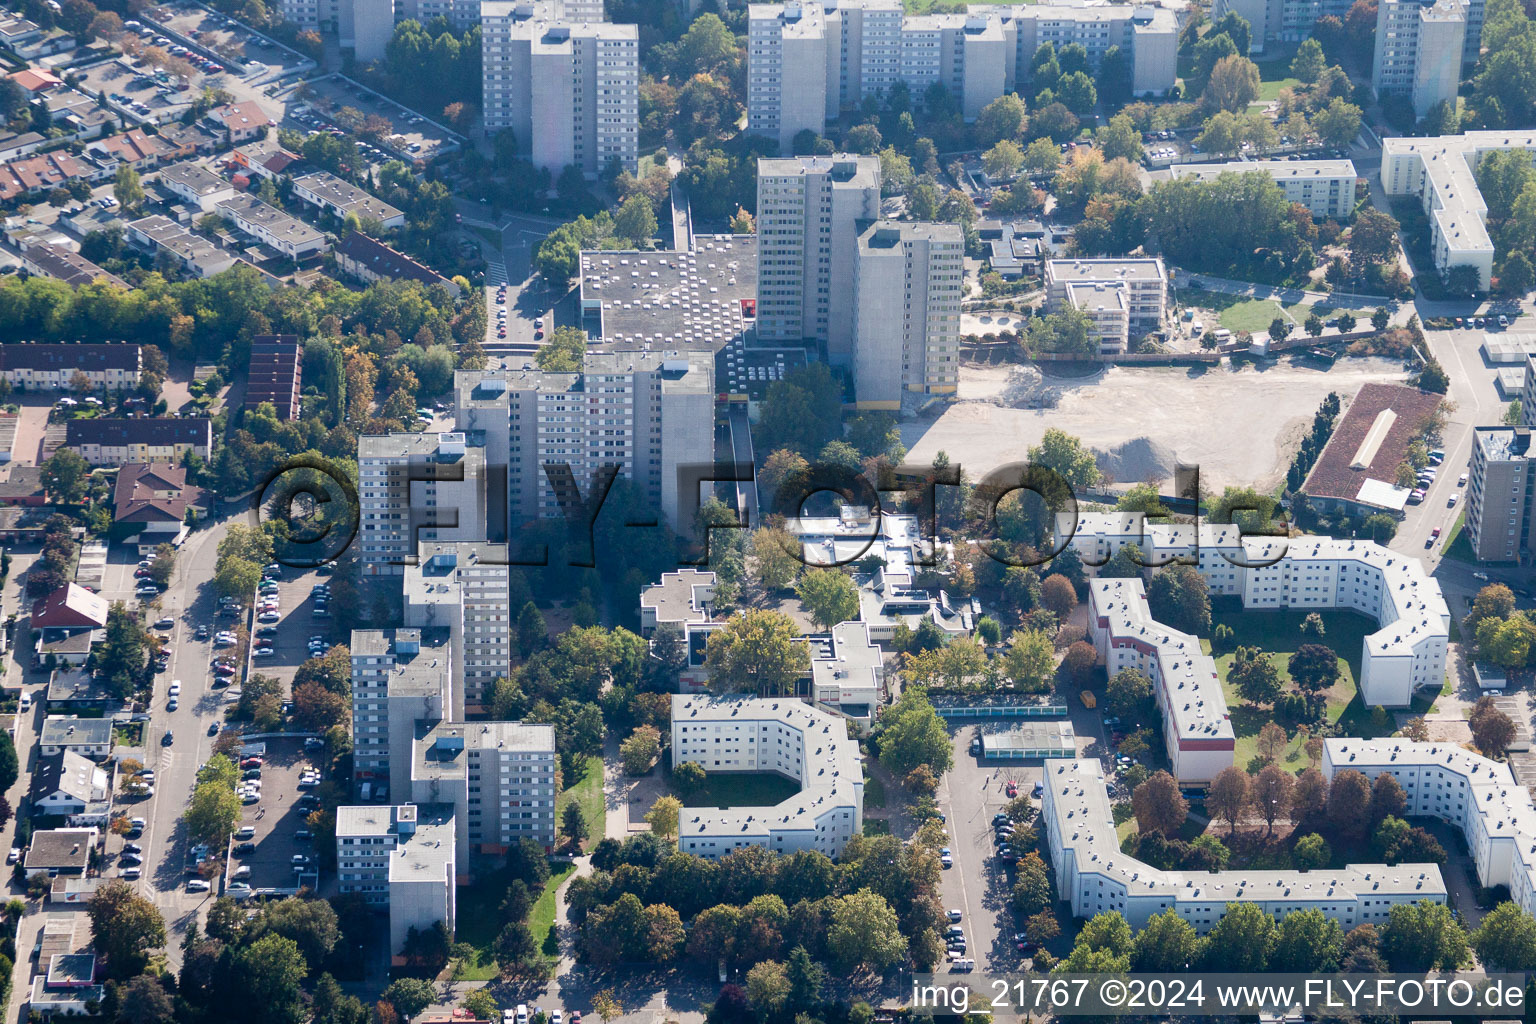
x: 568, y: 89
x: 1501, y: 493
x: 1406, y: 655
x: 463, y: 587
x: 1325, y: 187
x: 277, y: 370
x: 499, y: 777
x: 784, y: 736
x: 273, y: 228
x: 907, y: 284
x: 1441, y: 173
x: 808, y: 209
x: 399, y: 676
x: 40, y: 365
x: 647, y: 414
x: 1123, y: 298
x: 1419, y: 48
x: 1094, y: 875
x: 1274, y: 21
x: 416, y: 487
x: 116, y: 442
x: 402, y: 857
x: 808, y: 61
x: 339, y: 198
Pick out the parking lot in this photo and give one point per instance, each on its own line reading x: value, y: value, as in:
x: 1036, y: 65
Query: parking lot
x: 979, y: 884
x: 275, y: 821
x: 136, y: 88
x: 242, y: 52
x: 289, y: 641
x: 409, y: 137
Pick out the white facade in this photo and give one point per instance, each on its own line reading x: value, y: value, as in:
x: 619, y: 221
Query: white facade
x: 569, y: 90
x: 808, y: 209
x: 399, y: 676
x: 407, y: 483
x: 1463, y: 789
x: 907, y: 284
x: 1325, y: 187
x: 1501, y: 493
x: 808, y: 61
x: 1197, y: 730
x: 1406, y: 655
x: 1440, y: 171
x: 1095, y: 876
x: 1122, y: 298
x: 273, y: 228
x: 401, y: 857
x: 462, y: 586
x: 1419, y: 51
x: 784, y: 736
x: 373, y: 25
x: 499, y: 777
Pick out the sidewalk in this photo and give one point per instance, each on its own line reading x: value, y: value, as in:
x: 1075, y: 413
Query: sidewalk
x: 1289, y: 296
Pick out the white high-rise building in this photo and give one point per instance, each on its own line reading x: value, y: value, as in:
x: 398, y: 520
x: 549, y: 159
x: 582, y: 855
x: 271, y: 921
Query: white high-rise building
x: 808, y: 209
x: 808, y: 61
x: 1324, y: 187
x: 647, y: 413
x: 569, y: 90
x: 403, y: 857
x: 416, y: 487
x: 398, y: 677
x: 462, y: 587
x: 906, y: 311
x: 1419, y: 50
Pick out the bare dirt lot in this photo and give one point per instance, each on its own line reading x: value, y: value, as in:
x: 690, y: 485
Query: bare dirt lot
x: 1240, y: 426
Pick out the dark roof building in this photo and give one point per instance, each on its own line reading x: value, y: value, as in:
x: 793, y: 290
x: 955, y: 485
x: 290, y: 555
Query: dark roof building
x: 68, y: 266
x: 277, y: 365
x: 116, y: 442
x: 61, y: 850
x: 150, y: 492
x: 23, y: 486
x: 53, y: 365
x: 1357, y: 469
x: 370, y: 260
x: 70, y: 607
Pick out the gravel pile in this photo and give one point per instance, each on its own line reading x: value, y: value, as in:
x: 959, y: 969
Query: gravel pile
x: 1136, y: 461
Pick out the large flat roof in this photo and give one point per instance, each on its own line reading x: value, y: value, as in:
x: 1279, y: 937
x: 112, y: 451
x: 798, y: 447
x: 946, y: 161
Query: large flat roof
x: 1336, y: 473
x: 699, y: 299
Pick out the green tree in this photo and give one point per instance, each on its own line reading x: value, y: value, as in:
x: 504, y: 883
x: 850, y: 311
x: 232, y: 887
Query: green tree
x: 1003, y: 160
x: 1307, y: 942
x: 1129, y: 694
x: 66, y: 476
x: 1119, y: 139
x: 573, y: 822
x: 1233, y: 84
x: 912, y: 733
x: 531, y: 629
x: 768, y: 988
x: 1000, y: 120
x: 1067, y: 456
x: 636, y: 221
x: 1167, y: 943
x: 563, y: 350
x: 773, y: 557
x: 409, y: 996
x: 1338, y: 123
x: 127, y: 189
x: 1031, y: 659
x: 1423, y: 937
x: 1042, y: 157
x: 1311, y: 852
x: 1309, y: 61
x: 271, y: 970
x: 1241, y: 941
x: 1506, y: 939
x: 1255, y: 676
x: 756, y: 652
x: 213, y: 813
x: 125, y: 928
x: 829, y: 595
x: 864, y: 931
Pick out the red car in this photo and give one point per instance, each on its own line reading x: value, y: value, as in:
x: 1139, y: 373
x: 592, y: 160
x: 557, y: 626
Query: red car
x: 1013, y: 789
x: 537, y: 335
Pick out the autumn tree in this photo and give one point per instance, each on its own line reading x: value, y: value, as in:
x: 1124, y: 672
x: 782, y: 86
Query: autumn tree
x: 1159, y: 806
x: 1228, y: 796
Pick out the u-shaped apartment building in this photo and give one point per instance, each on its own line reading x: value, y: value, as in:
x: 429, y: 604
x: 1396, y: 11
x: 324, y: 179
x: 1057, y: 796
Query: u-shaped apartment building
x: 1095, y: 876
x: 1479, y: 796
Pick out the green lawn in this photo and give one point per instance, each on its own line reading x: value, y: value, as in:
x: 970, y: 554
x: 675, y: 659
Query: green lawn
x: 1458, y: 544
x: 586, y: 790
x: 479, y: 920
x: 1299, y: 311
x: 1279, y: 634
x: 1234, y: 312
x: 757, y: 789
x: 874, y: 792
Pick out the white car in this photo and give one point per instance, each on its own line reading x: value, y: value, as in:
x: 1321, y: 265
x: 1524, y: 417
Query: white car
x: 250, y: 798
x: 268, y: 617
x: 197, y: 885
x: 1453, y: 499
x: 148, y: 775
x: 175, y: 690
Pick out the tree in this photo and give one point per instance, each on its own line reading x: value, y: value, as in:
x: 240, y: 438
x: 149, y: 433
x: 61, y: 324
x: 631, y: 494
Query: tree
x: 1058, y: 594
x: 1241, y: 941
x: 912, y: 733
x: 271, y: 970
x: 1349, y: 804
x: 1079, y: 661
x: 1234, y: 83
x: 1506, y: 939
x: 774, y: 561
x: 214, y: 812
x: 563, y: 350
x: 1159, y: 806
x: 1373, y: 235
x: 1228, y: 796
x: 1067, y: 457
x: 641, y: 749
x: 606, y: 1005
x: 1381, y: 318
x: 1167, y: 943
x: 1129, y: 694
x: 1387, y: 799
x: 756, y: 652
x: 1119, y: 139
x: 127, y: 189
x: 10, y: 765
x: 480, y: 1003
x: 1492, y: 730
x: 1032, y: 886
x: 829, y: 595
x: 1179, y: 596
x: 1314, y: 668
x: 1042, y: 157
x: 806, y: 978
x: 1422, y: 937
x: 1338, y: 123
x: 531, y: 629
x: 144, y: 1000
x: 1031, y: 659
x: 1271, y: 794
x: 409, y: 996
x: 1311, y: 852
x: 1309, y: 61
x: 125, y: 928
x: 573, y: 822
x: 636, y: 221
x: 1000, y: 120
x: 768, y: 988
x: 1272, y: 740
x: 66, y: 476
x: 864, y: 931
x: 1003, y: 160
x: 1307, y: 942
x: 1254, y: 675
x: 663, y: 816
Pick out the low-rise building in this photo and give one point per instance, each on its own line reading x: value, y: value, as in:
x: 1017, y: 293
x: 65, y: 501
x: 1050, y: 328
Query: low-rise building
x: 150, y: 502
x: 782, y: 736
x: 54, y: 366
x: 1095, y: 876
x: 66, y: 265
x: 275, y: 372
x: 401, y: 857
x: 1357, y: 469
x: 264, y: 158
x: 847, y: 674
x: 240, y: 122
x: 43, y: 173
x: 116, y: 442
x: 22, y: 487
x: 189, y: 140
x: 71, y: 786
x: 340, y: 199
x: 1324, y: 187
x: 68, y: 987
x: 135, y: 148
x: 192, y: 253
x: 369, y: 260
x: 196, y: 184
x: 88, y: 737
x: 60, y: 851
x: 272, y: 227
x: 78, y: 689
x: 1124, y: 298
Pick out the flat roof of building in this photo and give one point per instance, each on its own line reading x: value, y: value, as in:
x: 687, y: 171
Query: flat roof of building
x: 61, y: 849
x: 1280, y: 170
x: 1503, y: 444
x: 699, y: 299
x: 848, y: 170
x: 1085, y: 271
x: 680, y: 596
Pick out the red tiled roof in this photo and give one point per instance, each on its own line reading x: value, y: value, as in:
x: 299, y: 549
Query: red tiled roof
x: 1333, y: 476
x: 70, y: 607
